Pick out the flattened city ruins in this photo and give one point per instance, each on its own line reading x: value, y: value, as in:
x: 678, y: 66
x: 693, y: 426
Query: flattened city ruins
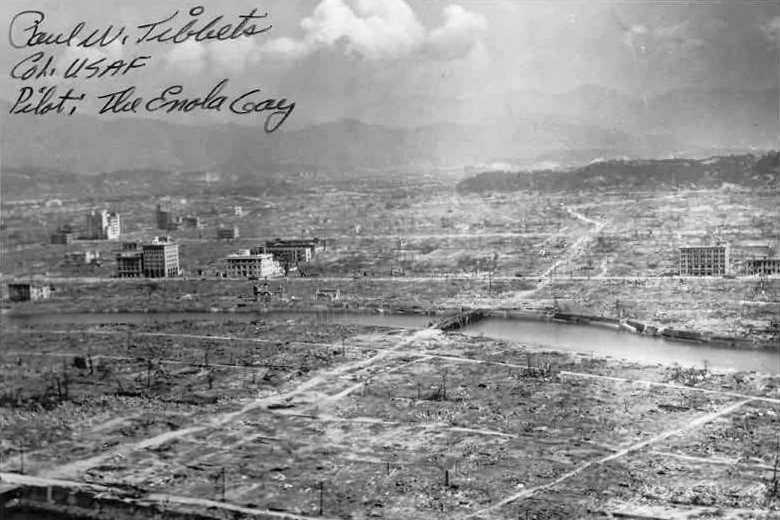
x: 355, y: 259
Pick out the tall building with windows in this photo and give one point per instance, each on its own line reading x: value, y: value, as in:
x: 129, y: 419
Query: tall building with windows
x: 102, y: 225
x: 158, y: 259
x: 704, y: 260
x: 161, y: 259
x: 130, y: 261
x: 166, y: 219
x: 114, y: 229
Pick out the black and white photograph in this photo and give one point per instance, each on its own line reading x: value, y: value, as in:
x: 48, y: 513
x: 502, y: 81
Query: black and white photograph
x: 389, y: 259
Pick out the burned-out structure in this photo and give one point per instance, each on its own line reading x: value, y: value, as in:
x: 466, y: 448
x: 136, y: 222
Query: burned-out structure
x: 704, y: 260
x: 291, y: 252
x: 28, y: 291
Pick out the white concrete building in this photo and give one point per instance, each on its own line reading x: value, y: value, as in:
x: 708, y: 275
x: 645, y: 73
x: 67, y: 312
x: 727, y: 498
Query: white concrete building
x: 247, y: 265
x: 161, y: 260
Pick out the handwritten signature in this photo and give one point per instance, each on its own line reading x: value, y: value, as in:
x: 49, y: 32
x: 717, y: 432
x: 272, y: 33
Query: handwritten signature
x: 27, y: 30
x: 161, y: 31
x: 168, y: 101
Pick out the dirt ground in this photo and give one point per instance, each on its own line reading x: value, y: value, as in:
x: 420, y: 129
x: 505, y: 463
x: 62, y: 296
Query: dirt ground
x: 299, y: 417
x: 369, y: 422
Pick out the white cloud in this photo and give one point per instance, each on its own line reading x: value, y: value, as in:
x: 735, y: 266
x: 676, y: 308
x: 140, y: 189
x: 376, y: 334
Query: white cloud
x: 286, y: 48
x: 771, y: 29
x: 188, y: 57
x: 233, y: 56
x: 678, y: 40
x: 459, y: 34
x: 381, y: 30
x: 223, y: 57
x: 375, y: 30
x: 635, y: 36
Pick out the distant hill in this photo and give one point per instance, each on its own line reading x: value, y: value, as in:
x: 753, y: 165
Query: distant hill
x: 586, y: 123
x: 744, y: 170
x: 693, y: 120
x: 90, y: 145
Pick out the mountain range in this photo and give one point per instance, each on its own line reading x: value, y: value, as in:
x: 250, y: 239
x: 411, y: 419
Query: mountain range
x: 517, y: 128
x: 758, y: 173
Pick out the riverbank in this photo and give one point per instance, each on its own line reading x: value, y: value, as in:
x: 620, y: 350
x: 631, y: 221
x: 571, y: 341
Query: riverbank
x: 656, y: 330
x: 724, y: 310
x: 436, y: 314
x: 35, y: 498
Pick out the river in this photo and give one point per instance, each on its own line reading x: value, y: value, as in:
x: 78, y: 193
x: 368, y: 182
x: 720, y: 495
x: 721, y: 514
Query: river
x: 598, y: 341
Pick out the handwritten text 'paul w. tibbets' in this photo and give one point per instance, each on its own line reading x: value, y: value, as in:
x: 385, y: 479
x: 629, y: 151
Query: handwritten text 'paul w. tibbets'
x: 28, y: 32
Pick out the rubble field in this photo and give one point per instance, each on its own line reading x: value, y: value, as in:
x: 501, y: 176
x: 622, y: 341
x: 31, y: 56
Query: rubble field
x: 69, y: 386
x: 612, y: 253
x: 366, y: 422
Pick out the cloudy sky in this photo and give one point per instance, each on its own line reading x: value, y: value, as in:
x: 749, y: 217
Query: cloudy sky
x: 331, y: 55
